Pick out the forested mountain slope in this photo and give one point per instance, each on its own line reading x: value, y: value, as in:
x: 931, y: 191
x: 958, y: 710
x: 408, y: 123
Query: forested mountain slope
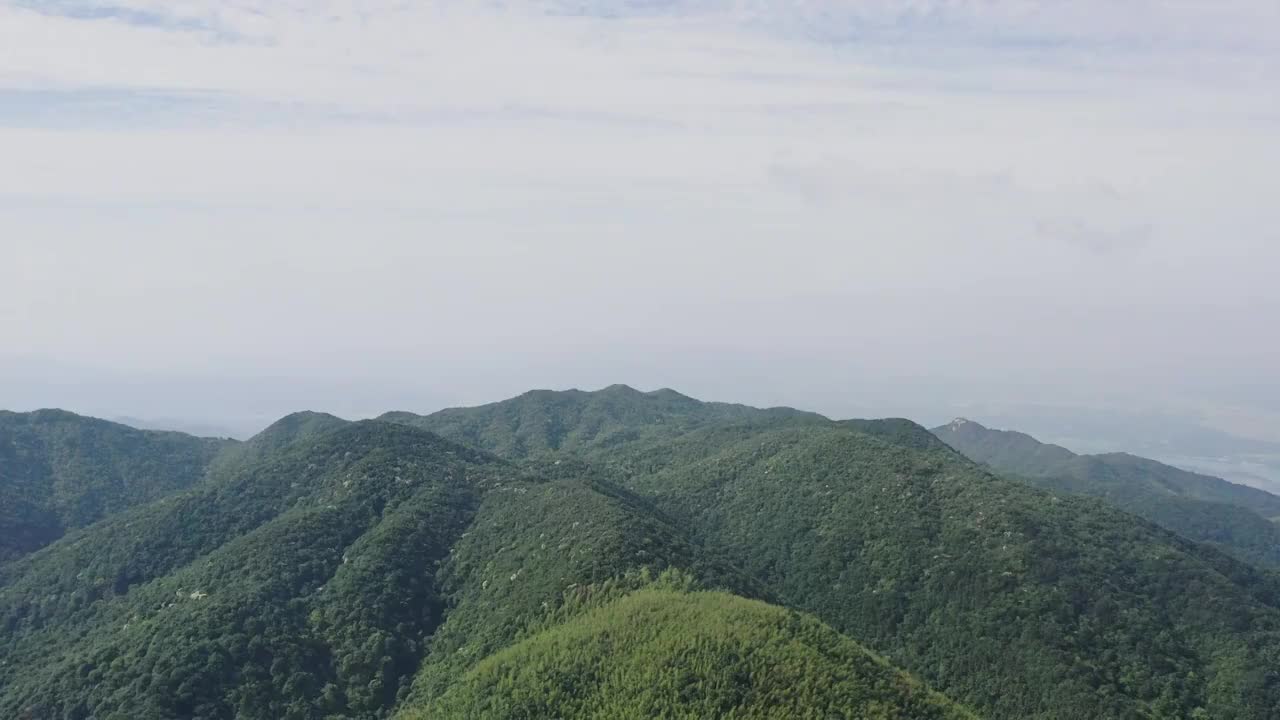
x: 1017, y: 602
x: 288, y: 430
x: 318, y: 580
x: 1015, y: 452
x: 299, y: 586
x: 1237, y: 518
x: 663, y: 653
x: 60, y: 471
x: 330, y: 569
x: 540, y: 547
x: 542, y: 421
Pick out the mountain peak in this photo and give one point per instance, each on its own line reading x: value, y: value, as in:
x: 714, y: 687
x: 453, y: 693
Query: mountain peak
x: 295, y: 426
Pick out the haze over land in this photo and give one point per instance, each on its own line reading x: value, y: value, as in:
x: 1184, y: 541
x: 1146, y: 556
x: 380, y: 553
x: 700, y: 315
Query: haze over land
x: 223, y: 212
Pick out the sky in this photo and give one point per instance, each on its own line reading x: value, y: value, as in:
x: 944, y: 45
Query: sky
x: 230, y: 210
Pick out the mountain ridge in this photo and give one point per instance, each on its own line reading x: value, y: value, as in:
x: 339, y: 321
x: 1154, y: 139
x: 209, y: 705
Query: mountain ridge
x: 1238, y: 518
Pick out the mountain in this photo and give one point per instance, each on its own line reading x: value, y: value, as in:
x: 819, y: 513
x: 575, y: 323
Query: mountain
x: 663, y: 653
x: 628, y: 553
x: 536, y: 547
x: 545, y: 421
x: 319, y: 579
x: 1005, y: 450
x: 1017, y: 602
x: 1237, y: 518
x: 288, y: 430
x: 60, y: 471
x: 292, y: 428
x: 297, y: 586
x: 1013, y: 601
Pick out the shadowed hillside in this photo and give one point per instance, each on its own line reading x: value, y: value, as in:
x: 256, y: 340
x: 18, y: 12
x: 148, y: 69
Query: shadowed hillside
x: 60, y: 471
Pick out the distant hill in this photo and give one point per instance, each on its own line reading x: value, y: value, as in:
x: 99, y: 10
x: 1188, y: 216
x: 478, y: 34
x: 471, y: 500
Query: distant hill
x: 1238, y: 518
x: 288, y: 430
x: 545, y: 421
x: 60, y: 471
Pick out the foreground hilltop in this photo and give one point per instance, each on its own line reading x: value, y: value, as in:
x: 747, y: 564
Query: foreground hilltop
x: 487, y: 562
x: 661, y: 652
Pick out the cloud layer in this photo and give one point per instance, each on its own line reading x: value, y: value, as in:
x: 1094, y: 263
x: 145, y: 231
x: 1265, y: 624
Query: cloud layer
x: 453, y: 190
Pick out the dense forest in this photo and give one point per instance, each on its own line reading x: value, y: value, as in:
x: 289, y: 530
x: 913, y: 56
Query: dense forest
x: 298, y: 586
x: 60, y: 471
x: 1241, y: 520
x: 622, y: 554
x: 659, y: 652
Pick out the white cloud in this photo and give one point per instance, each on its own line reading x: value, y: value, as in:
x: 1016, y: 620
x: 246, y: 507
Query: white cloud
x: 399, y: 176
x: 1095, y: 239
